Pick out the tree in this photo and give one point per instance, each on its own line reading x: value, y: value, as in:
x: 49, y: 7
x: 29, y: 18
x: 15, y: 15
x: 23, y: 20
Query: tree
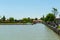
x: 11, y: 19
x: 36, y: 18
x: 25, y: 20
x: 42, y: 18
x: 55, y: 11
x: 50, y: 17
x: 29, y: 20
x: 3, y: 18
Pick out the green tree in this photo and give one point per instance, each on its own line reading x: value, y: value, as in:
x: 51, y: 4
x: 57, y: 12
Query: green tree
x: 36, y: 18
x: 11, y: 19
x: 29, y: 20
x: 50, y: 17
x: 3, y: 18
x: 42, y: 18
x: 25, y: 20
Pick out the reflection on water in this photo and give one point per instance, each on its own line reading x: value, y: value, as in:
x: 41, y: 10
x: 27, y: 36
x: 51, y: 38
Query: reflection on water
x: 27, y: 32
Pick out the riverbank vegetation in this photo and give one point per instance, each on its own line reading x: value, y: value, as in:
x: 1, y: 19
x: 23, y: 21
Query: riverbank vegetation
x: 12, y: 20
x: 51, y: 17
x: 51, y: 21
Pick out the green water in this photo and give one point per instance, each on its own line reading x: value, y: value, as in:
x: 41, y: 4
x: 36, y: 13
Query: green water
x: 27, y: 32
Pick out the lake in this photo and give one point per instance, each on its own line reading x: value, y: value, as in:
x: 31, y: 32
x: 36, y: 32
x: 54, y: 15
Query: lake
x: 27, y: 32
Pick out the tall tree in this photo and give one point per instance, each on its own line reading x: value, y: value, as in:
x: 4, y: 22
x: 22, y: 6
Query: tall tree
x: 3, y: 18
x: 55, y: 11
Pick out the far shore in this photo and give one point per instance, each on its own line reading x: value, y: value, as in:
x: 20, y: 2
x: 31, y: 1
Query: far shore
x: 16, y: 23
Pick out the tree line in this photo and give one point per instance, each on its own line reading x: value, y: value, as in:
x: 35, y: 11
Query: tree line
x: 12, y: 20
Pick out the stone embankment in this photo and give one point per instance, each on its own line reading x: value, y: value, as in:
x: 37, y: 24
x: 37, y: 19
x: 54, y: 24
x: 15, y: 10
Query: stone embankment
x: 53, y: 27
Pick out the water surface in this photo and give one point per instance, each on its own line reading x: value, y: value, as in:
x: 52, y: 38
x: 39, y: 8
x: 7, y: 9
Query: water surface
x: 27, y: 32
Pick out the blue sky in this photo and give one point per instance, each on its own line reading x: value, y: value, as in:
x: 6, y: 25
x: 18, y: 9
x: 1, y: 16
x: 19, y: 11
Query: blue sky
x: 27, y: 8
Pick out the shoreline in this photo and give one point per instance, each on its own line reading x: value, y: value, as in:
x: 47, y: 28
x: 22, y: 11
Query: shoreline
x: 16, y: 23
x: 53, y: 29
